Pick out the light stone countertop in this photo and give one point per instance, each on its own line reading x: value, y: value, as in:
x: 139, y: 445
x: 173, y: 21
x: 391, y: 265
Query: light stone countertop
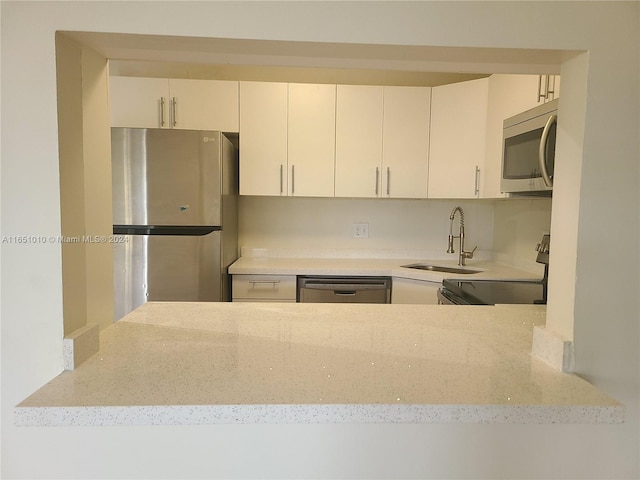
x: 207, y: 363
x: 392, y: 267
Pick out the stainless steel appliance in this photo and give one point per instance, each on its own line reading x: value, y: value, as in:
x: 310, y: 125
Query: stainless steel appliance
x: 175, y: 199
x: 528, y: 150
x: 320, y: 289
x: 492, y: 292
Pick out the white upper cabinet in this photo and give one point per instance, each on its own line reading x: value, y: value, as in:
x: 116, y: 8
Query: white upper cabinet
x: 174, y: 103
x: 405, y: 142
x: 548, y: 88
x: 311, y: 140
x: 204, y: 104
x: 458, y: 136
x: 263, y: 138
x: 139, y: 102
x: 359, y: 117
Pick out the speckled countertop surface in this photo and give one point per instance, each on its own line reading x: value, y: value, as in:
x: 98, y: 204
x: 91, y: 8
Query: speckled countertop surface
x: 392, y: 267
x: 203, y: 363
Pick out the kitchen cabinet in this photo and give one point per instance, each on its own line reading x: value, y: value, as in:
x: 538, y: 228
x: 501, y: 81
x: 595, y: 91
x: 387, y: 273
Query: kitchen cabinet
x: 263, y: 288
x: 548, y: 88
x: 311, y: 140
x: 458, y: 136
x: 359, y: 120
x: 405, y: 142
x: 174, y: 103
x: 263, y: 139
x: 410, y: 291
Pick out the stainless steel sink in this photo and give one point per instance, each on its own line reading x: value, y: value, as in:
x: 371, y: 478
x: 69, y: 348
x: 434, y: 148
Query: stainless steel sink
x: 438, y: 268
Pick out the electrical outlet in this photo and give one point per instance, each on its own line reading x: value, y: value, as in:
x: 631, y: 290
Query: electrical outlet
x: 360, y: 230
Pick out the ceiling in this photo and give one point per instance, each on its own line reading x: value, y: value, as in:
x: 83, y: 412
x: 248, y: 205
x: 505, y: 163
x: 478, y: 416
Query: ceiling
x: 270, y: 60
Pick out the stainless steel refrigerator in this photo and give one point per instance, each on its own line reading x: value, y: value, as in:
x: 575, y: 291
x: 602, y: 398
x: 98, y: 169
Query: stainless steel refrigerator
x: 175, y: 196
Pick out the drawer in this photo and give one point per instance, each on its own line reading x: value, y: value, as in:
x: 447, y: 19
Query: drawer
x: 264, y: 287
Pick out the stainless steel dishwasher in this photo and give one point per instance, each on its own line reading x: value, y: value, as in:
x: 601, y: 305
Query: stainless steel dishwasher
x: 322, y: 289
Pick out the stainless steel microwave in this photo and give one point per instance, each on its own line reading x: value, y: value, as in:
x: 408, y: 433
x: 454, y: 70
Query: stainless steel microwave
x: 529, y: 150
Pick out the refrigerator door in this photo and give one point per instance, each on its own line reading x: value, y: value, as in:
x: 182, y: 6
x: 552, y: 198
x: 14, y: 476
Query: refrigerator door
x: 168, y: 268
x: 166, y: 177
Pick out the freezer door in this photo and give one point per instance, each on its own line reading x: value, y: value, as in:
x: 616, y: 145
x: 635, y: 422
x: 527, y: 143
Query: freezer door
x: 168, y: 268
x: 166, y: 177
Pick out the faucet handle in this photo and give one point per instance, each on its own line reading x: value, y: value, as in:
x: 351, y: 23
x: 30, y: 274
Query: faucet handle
x: 469, y: 254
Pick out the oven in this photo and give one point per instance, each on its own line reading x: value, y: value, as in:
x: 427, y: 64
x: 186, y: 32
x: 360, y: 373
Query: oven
x: 494, y: 292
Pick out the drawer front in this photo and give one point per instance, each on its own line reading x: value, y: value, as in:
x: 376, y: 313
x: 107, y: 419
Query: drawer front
x: 265, y: 287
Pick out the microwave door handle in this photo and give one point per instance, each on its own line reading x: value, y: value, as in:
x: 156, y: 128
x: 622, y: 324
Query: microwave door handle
x: 542, y: 157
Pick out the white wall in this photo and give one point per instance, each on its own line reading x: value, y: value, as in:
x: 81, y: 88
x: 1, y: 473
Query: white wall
x: 395, y: 225
x: 604, y: 248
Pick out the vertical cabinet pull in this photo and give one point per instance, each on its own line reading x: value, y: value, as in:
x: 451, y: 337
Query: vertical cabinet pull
x: 377, y: 179
x: 551, y: 86
x: 162, y: 122
x: 388, y: 181
x: 541, y: 94
x: 477, y: 182
x: 548, y: 90
x: 293, y: 180
x: 173, y: 111
x: 281, y: 179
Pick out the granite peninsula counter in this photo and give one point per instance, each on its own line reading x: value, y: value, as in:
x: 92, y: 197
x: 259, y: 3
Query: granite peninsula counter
x: 206, y: 363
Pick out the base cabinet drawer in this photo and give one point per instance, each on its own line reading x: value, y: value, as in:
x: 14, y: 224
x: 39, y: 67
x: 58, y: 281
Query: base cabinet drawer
x: 264, y: 288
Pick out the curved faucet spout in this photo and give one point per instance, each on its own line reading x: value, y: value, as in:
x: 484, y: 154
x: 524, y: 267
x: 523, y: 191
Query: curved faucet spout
x: 462, y: 256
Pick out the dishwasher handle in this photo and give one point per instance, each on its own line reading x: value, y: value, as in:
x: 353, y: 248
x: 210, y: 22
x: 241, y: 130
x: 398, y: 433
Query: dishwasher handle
x: 344, y: 287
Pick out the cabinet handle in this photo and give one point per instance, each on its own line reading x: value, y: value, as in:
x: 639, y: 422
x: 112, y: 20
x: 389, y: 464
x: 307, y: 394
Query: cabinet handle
x: 551, y: 86
x: 173, y: 111
x: 377, y: 179
x: 477, y: 182
x: 542, y: 150
x: 293, y: 180
x: 541, y: 95
x: 261, y: 282
x: 162, y: 122
x: 281, y: 178
x: 388, y: 181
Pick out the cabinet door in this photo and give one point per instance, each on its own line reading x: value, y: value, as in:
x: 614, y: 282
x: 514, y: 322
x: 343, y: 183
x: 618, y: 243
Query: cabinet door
x: 311, y: 140
x: 458, y: 131
x: 409, y: 291
x: 204, y: 104
x: 139, y: 102
x: 359, y: 111
x: 405, y: 144
x: 263, y: 141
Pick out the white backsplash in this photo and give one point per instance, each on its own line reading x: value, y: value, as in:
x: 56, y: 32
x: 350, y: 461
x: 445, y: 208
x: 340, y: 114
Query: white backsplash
x: 504, y: 230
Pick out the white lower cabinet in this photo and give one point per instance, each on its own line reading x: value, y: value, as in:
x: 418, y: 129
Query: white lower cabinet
x: 263, y: 288
x: 409, y: 291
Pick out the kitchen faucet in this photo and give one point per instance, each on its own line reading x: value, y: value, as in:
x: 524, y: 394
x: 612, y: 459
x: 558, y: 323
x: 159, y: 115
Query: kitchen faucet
x: 462, y: 256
